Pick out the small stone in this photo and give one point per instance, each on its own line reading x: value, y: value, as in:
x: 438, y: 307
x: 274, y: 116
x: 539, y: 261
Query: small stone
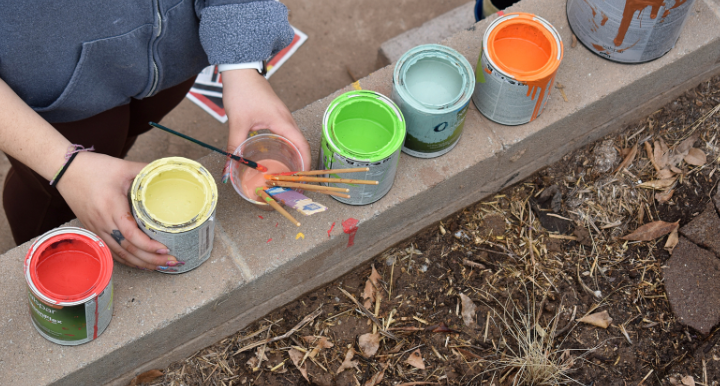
x: 704, y: 230
x: 692, y: 282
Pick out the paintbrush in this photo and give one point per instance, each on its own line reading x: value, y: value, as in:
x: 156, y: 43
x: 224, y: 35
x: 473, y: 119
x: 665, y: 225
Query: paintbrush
x: 260, y: 192
x: 317, y: 179
x: 295, y: 185
x: 320, y: 172
x: 242, y: 160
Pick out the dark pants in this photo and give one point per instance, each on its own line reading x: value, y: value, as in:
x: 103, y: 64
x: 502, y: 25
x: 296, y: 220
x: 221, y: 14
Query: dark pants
x: 33, y: 207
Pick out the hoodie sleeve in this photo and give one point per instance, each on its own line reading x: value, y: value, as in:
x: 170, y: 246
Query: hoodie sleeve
x: 243, y: 31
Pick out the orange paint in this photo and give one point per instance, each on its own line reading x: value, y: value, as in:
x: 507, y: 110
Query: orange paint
x: 632, y: 6
x: 604, y: 19
x: 599, y: 47
x: 525, y: 49
x: 253, y: 178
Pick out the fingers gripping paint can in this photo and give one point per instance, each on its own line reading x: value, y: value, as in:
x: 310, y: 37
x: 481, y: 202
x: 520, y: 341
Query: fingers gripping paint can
x: 174, y: 201
x: 516, y: 68
x: 628, y: 31
x: 362, y: 129
x: 69, y: 276
x: 432, y: 85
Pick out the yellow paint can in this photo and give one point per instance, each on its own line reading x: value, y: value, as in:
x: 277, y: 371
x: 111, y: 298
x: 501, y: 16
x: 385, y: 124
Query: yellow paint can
x: 174, y: 201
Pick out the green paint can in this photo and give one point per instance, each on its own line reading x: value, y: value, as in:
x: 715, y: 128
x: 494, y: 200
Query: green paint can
x: 362, y: 129
x: 432, y: 85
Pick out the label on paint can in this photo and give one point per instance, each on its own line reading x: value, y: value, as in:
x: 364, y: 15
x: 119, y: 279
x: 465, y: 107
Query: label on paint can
x: 70, y: 291
x: 516, y: 68
x: 432, y: 86
x: 362, y: 129
x: 628, y: 31
x: 174, y: 201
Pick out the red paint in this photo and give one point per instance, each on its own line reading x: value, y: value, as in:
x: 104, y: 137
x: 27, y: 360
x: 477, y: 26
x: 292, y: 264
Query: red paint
x: 261, y: 217
x: 331, y: 228
x: 350, y: 227
x: 500, y: 13
x: 269, y: 240
x: 276, y: 224
x: 69, y: 268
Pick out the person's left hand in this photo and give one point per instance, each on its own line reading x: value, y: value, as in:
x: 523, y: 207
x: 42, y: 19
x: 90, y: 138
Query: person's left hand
x: 251, y: 104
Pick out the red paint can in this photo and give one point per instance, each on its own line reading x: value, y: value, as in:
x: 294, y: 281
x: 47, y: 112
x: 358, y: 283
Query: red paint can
x: 69, y: 276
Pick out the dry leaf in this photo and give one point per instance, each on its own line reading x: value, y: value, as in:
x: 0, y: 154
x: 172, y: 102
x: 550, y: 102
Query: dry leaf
x: 685, y: 146
x: 665, y: 174
x: 658, y: 184
x: 296, y: 356
x: 652, y: 231
x: 369, y: 344
x: 146, y: 377
x: 672, y: 241
x: 675, y: 169
x: 415, y: 360
x: 663, y: 197
x: 696, y: 157
x: 688, y: 380
x: 322, y: 343
x: 378, y: 377
x: 599, y: 319
x: 468, y: 309
x: 661, y: 153
x: 371, y: 285
x: 348, y: 363
x: 628, y: 159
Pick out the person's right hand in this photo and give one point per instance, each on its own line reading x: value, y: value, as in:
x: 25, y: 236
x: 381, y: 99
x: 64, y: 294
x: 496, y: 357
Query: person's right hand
x: 96, y: 186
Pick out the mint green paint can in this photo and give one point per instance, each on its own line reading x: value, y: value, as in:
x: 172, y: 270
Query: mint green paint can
x: 362, y: 129
x: 432, y: 85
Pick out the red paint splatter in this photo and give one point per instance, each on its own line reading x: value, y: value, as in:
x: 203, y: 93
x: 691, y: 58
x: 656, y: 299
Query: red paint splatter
x: 501, y: 13
x: 269, y: 240
x: 331, y: 228
x: 350, y: 227
x: 261, y: 218
x: 276, y: 224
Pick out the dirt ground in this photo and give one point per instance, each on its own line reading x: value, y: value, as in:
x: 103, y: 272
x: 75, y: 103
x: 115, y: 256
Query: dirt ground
x: 491, y: 294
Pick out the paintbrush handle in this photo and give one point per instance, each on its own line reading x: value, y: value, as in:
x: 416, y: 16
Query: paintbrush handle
x: 242, y: 160
x: 330, y: 171
x: 296, y: 185
x: 318, y: 179
x: 260, y: 192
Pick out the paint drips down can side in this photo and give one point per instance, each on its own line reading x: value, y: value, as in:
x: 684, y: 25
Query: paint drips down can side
x: 628, y: 31
x: 432, y: 86
x: 374, y: 144
x: 70, y: 319
x: 189, y: 240
x: 511, y: 89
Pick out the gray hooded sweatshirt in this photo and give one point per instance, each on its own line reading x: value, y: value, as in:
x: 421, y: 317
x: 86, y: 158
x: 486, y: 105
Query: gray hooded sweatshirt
x: 70, y: 60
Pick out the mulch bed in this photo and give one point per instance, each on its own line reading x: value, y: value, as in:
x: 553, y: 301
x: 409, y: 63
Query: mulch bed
x: 492, y: 294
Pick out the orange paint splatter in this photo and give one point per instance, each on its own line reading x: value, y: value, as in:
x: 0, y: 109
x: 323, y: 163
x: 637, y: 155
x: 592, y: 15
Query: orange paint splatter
x: 533, y: 88
x: 599, y: 47
x: 632, y: 6
x: 488, y: 71
x: 604, y: 19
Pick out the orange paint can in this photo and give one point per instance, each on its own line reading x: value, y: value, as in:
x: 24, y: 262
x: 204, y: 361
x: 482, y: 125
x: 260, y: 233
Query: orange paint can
x: 628, y: 31
x: 516, y: 69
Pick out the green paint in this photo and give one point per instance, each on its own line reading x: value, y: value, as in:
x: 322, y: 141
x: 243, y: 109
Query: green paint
x: 479, y: 73
x: 433, y: 82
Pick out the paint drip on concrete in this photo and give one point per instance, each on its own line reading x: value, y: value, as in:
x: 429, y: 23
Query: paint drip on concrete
x: 350, y: 227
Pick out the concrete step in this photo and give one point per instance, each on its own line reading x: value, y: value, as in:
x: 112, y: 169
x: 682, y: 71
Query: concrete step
x: 160, y: 318
x: 433, y: 31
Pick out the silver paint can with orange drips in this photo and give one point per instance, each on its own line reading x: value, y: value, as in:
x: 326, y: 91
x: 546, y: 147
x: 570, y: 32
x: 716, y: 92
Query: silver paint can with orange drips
x: 628, y: 31
x: 516, y: 69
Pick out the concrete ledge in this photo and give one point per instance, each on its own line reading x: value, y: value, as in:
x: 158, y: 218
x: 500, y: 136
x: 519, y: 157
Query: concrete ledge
x: 160, y: 318
x: 433, y: 31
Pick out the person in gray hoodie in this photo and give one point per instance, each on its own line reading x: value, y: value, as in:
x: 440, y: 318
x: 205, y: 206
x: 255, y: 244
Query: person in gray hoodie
x: 76, y: 75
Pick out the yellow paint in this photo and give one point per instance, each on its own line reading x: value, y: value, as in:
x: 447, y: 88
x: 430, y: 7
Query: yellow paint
x: 173, y: 195
x: 299, y: 235
x: 356, y: 85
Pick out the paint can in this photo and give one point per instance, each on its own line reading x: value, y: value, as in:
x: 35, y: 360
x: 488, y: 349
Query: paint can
x: 628, y: 31
x: 516, y: 68
x: 174, y: 201
x: 432, y: 85
x: 69, y: 276
x: 362, y: 129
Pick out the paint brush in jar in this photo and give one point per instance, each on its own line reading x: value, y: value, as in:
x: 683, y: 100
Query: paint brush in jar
x: 321, y: 172
x: 319, y: 179
x: 262, y: 194
x: 312, y: 188
x: 246, y: 162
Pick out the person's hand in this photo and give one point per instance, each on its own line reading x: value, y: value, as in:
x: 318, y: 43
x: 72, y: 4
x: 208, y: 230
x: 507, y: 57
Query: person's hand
x: 251, y: 104
x: 96, y: 186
